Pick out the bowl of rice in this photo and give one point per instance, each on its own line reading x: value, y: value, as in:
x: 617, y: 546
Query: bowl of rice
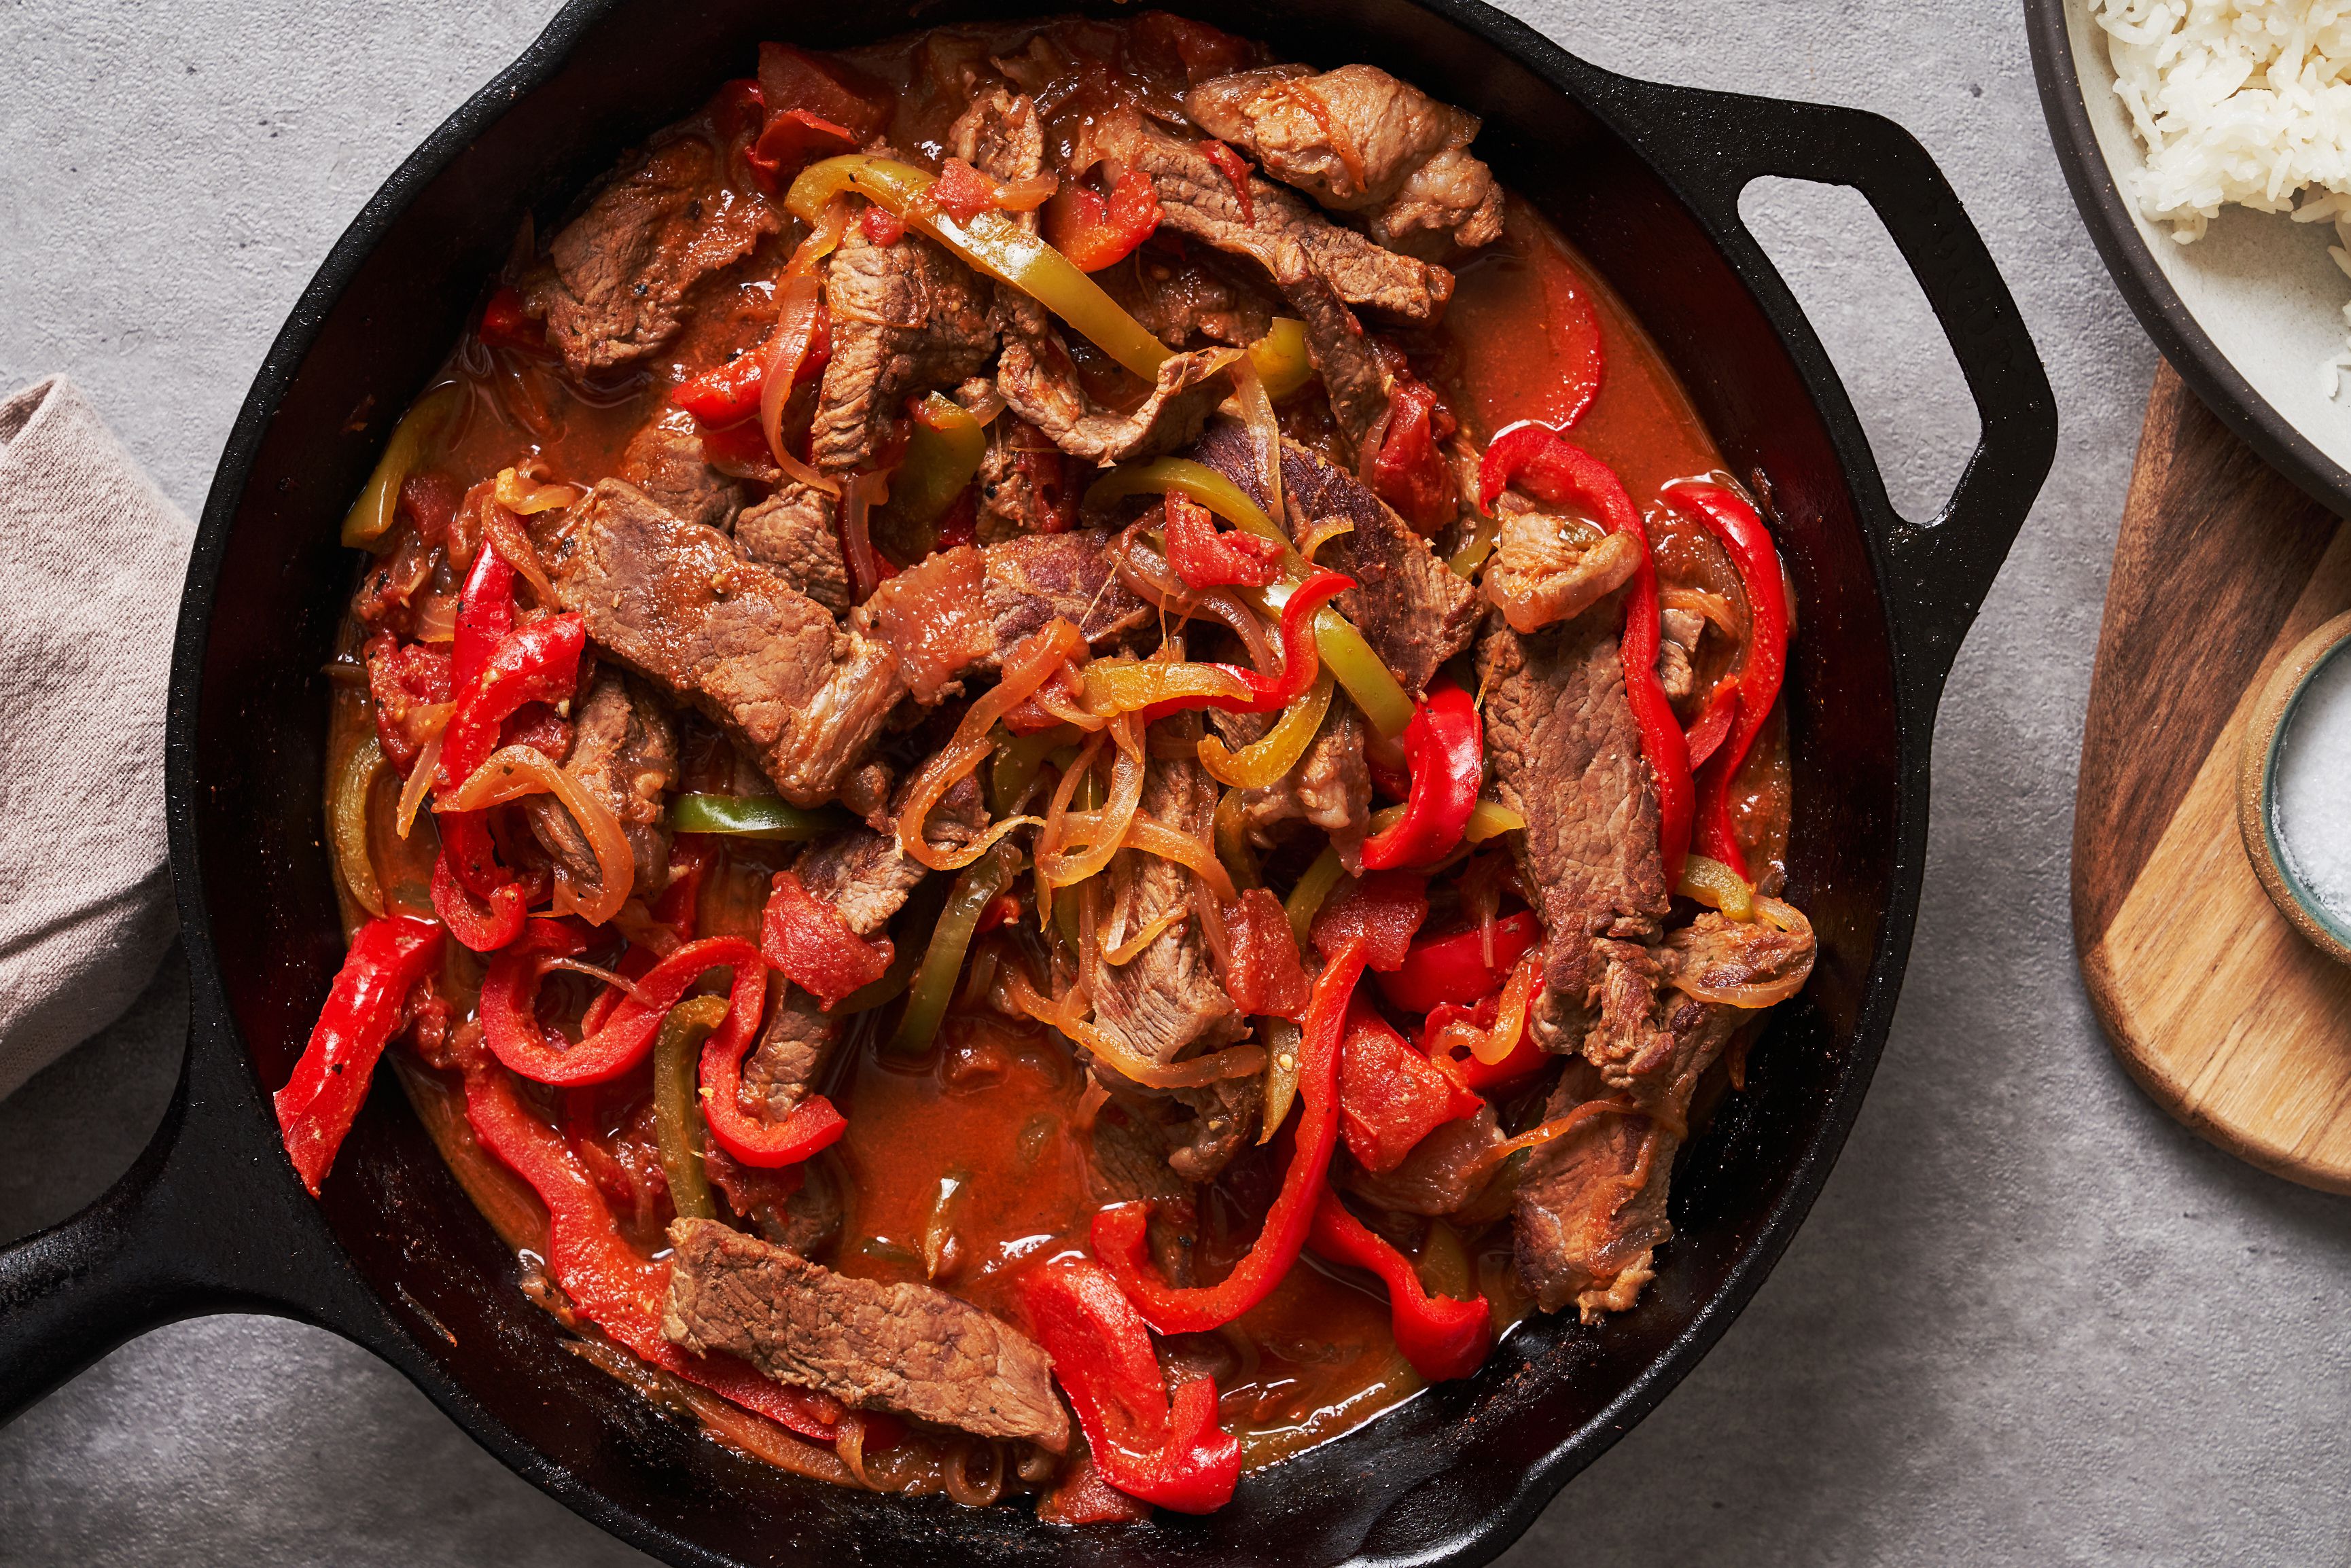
x: 2208, y: 144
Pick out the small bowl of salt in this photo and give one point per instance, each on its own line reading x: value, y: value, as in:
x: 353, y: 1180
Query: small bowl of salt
x: 2294, y: 795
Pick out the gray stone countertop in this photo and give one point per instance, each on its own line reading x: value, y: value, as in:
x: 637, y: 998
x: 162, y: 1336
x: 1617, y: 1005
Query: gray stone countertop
x: 2030, y: 1320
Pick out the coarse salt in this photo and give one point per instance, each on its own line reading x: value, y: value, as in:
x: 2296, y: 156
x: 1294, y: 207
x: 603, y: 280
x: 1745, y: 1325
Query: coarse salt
x: 2310, y: 810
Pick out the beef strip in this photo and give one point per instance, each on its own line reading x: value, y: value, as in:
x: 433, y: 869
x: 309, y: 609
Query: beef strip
x: 614, y: 280
x: 1127, y: 1151
x: 906, y: 318
x: 1003, y: 137
x: 1329, y: 788
x: 624, y: 754
x: 1031, y: 580
x: 905, y: 1348
x: 793, y: 531
x: 1166, y: 1000
x: 1548, y: 568
x: 1361, y: 141
x: 1187, y: 301
x: 1678, y: 634
x: 665, y: 460
x: 1591, y: 1210
x: 672, y: 601
x: 798, y: 1207
x: 1038, y: 381
x: 1022, y: 487
x: 863, y: 874
x: 1414, y: 609
x: 1442, y: 1174
x: 1319, y: 269
x: 1224, y: 1118
x: 1563, y: 750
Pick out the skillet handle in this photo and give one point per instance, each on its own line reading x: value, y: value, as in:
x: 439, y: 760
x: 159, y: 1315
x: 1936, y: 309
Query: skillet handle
x: 1710, y: 145
x: 199, y: 1224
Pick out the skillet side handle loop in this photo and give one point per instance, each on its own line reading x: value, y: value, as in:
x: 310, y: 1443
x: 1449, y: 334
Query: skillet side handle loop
x: 199, y: 1224
x: 1712, y: 145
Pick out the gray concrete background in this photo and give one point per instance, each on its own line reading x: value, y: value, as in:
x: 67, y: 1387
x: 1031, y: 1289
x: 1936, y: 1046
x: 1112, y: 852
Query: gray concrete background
x: 2030, y: 1321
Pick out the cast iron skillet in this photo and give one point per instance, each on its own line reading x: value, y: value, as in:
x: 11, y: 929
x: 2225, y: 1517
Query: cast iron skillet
x: 1645, y: 179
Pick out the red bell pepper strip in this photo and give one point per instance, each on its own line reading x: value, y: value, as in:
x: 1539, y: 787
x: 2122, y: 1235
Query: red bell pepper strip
x: 1120, y: 1231
x: 1390, y: 1095
x: 795, y: 78
x: 1179, y: 1458
x: 364, y: 1006
x: 1713, y: 724
x: 1095, y: 231
x: 1382, y: 910
x: 510, y: 1021
x: 537, y: 663
x: 812, y: 945
x: 609, y: 1282
x: 1441, y: 969
x: 1533, y: 457
x: 1300, y: 663
x: 1444, y: 746
x: 1441, y: 1337
x: 1464, y: 1069
x: 506, y: 325
x: 1760, y: 673
x: 813, y: 1125
x: 1205, y: 559
x: 484, y: 922
x: 485, y: 615
x: 792, y: 140
x: 728, y: 393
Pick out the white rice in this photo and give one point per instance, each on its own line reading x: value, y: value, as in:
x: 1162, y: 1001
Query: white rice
x: 2242, y: 101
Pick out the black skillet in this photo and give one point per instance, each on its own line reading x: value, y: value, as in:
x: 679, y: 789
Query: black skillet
x: 1645, y: 179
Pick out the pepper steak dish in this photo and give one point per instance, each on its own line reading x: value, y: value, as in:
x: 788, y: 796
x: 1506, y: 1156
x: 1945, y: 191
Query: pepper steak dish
x: 1055, y: 721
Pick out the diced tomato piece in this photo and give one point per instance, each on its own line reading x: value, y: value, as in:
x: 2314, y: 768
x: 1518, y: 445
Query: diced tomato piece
x: 1409, y: 470
x: 431, y: 500
x: 833, y: 90
x: 1390, y: 1095
x: 1383, y: 908
x: 1205, y: 559
x: 538, y: 725
x: 1202, y: 51
x: 506, y: 325
x: 1097, y: 231
x: 1265, y: 977
x: 403, y: 677
x: 1236, y: 171
x: 813, y: 946
x: 881, y: 226
x: 962, y: 191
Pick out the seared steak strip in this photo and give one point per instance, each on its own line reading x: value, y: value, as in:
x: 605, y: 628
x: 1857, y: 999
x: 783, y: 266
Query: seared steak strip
x: 1413, y: 609
x: 615, y: 278
x: 1165, y: 1000
x: 674, y: 601
x: 908, y: 319
x: 624, y: 753
x: 905, y: 1348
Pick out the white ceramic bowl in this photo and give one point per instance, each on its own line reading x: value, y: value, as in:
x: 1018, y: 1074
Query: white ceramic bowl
x: 2247, y: 313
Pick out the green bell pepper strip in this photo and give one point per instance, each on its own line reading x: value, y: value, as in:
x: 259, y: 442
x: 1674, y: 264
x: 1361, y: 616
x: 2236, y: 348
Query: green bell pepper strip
x: 1305, y: 900
x: 368, y: 525
x: 1281, y: 360
x: 1282, y: 1039
x: 753, y: 817
x: 677, y: 1119
x: 943, y: 454
x: 1368, y: 679
x: 991, y: 243
x: 1015, y: 763
x: 934, y: 982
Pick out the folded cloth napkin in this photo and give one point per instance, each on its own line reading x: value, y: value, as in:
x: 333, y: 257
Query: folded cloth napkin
x: 92, y: 558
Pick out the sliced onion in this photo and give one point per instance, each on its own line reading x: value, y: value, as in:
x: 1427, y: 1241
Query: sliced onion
x: 1057, y: 817
x: 1104, y: 832
x: 1035, y: 659
x: 1027, y: 195
x: 1536, y: 1138
x: 1070, y: 1018
x: 797, y: 303
x: 612, y: 977
x: 1154, y: 837
x: 1691, y: 976
x: 1265, y: 435
x: 864, y: 492
x: 514, y: 771
x: 524, y: 495
x: 433, y: 617
x: 1322, y: 533
x: 507, y: 535
x: 347, y: 818
x: 1713, y: 606
x: 1124, y: 952
x: 1146, y: 572
x: 420, y: 780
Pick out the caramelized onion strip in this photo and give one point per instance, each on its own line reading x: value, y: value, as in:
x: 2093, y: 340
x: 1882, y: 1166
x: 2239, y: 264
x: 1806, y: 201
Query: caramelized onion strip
x: 1070, y: 1018
x: 513, y: 771
x: 1028, y: 668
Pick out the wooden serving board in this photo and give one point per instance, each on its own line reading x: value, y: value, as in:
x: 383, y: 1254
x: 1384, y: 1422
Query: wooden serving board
x: 2223, y: 1013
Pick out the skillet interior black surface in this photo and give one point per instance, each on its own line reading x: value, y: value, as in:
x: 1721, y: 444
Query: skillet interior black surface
x: 1645, y: 181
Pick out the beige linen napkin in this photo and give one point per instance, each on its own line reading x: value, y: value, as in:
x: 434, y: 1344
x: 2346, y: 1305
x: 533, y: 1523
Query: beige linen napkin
x: 91, y: 557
